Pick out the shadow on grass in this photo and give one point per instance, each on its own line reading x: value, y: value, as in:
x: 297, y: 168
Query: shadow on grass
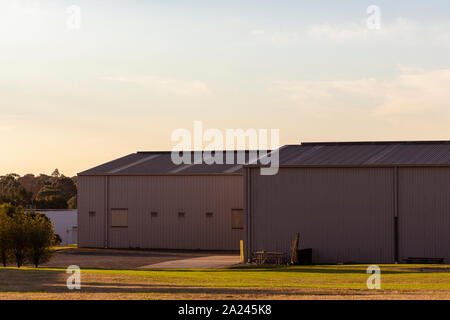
x: 54, y: 281
x: 285, y: 269
x: 318, y: 269
x: 249, y: 270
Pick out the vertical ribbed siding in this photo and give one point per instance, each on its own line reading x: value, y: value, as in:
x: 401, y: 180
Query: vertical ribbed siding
x: 344, y: 214
x: 166, y: 195
x: 91, y: 197
x: 424, y: 212
x: 64, y: 222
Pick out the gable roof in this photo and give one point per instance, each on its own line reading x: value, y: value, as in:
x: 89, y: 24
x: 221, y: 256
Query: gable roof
x: 309, y: 154
x: 160, y: 163
x: 382, y: 153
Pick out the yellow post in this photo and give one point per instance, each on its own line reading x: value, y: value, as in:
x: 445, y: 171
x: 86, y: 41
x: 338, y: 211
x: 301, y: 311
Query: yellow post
x: 242, y: 251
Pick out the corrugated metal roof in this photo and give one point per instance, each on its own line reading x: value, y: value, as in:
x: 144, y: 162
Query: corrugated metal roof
x: 160, y: 162
x: 383, y: 153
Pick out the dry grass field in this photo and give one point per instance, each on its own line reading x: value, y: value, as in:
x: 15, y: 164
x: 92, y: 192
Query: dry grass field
x: 296, y: 282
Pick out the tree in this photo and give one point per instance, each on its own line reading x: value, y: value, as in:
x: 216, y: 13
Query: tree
x: 57, y: 240
x: 41, y: 237
x: 52, y: 202
x: 72, y: 203
x: 33, y: 184
x: 5, y: 243
x: 22, y: 196
x: 12, y: 191
x: 8, y: 209
x: 8, y: 185
x: 19, y: 236
x: 41, y: 191
x: 56, y: 173
x: 46, y: 192
x: 26, y: 237
x: 66, y: 186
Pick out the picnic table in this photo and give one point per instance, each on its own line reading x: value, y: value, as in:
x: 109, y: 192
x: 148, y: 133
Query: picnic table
x: 269, y: 257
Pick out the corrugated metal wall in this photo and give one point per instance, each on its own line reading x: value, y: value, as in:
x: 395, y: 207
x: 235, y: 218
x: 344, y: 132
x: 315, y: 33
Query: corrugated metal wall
x: 91, y: 198
x: 344, y: 214
x: 424, y: 212
x: 166, y: 195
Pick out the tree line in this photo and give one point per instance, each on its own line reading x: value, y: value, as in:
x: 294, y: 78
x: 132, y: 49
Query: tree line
x: 53, y: 191
x: 25, y: 236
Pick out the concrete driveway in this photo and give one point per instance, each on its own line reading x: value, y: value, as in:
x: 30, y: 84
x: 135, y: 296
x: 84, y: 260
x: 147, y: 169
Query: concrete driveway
x: 204, y: 262
x: 142, y: 259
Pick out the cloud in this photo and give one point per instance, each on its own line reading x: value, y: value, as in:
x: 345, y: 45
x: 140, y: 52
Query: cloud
x: 257, y: 32
x: 413, y: 92
x: 9, y: 121
x: 401, y: 29
x: 166, y: 86
x: 339, y: 32
x: 417, y: 93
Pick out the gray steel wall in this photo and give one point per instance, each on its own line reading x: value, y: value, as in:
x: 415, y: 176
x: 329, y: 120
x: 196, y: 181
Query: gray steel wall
x: 343, y: 214
x: 167, y: 195
x: 424, y: 212
x: 91, y: 197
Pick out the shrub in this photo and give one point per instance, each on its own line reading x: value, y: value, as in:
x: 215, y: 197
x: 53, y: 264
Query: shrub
x: 19, y: 236
x: 5, y: 245
x: 25, y: 237
x: 57, y: 240
x: 40, y: 237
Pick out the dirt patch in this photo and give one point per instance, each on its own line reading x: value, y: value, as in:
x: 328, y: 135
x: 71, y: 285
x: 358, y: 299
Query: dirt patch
x: 132, y: 259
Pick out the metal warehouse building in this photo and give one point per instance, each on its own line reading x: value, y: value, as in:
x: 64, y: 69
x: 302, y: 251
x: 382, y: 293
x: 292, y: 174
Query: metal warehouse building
x: 144, y: 200
x: 374, y: 202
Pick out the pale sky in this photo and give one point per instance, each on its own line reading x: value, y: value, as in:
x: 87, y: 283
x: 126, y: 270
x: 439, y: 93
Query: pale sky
x: 138, y: 70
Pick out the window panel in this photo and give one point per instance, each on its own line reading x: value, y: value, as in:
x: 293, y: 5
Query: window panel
x: 237, y: 219
x: 119, y: 218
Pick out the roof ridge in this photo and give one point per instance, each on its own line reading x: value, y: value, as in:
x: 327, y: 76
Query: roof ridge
x: 376, y: 142
x: 134, y: 163
x: 223, y: 150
